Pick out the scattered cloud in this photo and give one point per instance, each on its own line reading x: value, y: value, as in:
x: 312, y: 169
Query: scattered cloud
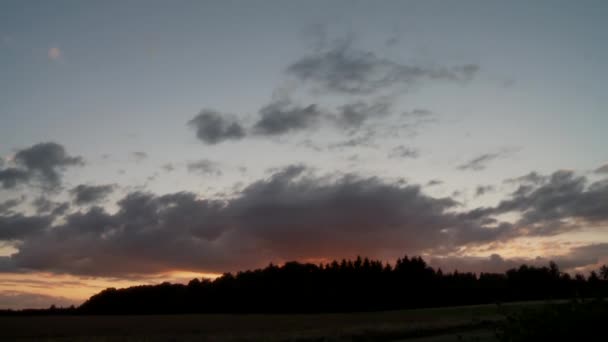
x: 481, y: 162
x: 532, y: 178
x: 357, y: 141
x: 169, y: 167
x: 403, y: 152
x: 341, y: 68
x: 213, y: 127
x: 12, y: 177
x: 205, y: 167
x: 280, y: 117
x: 43, y: 205
x: 44, y: 162
x: 602, y: 169
x: 434, y: 182
x: 139, y: 156
x: 9, y: 204
x: 483, y: 189
x: 418, y: 113
x: 586, y: 257
x: 354, y: 115
x: 88, y: 194
x: 546, y: 207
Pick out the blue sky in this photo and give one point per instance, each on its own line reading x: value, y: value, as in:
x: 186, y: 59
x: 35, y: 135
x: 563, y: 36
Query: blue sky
x: 477, y: 93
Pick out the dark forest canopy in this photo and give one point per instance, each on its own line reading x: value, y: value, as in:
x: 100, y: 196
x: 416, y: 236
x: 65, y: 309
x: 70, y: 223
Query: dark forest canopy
x: 344, y: 286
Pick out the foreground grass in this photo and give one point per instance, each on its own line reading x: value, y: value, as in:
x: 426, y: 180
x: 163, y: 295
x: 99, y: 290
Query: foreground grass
x: 438, y: 324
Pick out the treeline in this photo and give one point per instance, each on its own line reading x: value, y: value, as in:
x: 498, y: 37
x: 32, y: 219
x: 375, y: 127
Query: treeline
x: 346, y: 286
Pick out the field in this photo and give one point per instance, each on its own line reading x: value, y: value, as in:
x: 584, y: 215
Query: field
x: 474, y: 323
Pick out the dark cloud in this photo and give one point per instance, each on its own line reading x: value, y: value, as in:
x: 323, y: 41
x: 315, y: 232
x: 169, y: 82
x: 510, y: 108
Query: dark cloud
x: 43, y: 205
x: 562, y: 202
x: 403, y: 152
x: 280, y: 117
x: 205, y: 167
x: 291, y: 214
x: 18, y: 226
x: 139, y: 156
x: 602, y: 169
x: 87, y: 194
x: 480, y: 162
x: 344, y: 69
x: 7, y: 264
x: 213, y: 127
x: 44, y: 162
x: 483, y: 189
x: 434, y: 182
x: 353, y: 115
x: 11, y: 177
x: 9, y: 204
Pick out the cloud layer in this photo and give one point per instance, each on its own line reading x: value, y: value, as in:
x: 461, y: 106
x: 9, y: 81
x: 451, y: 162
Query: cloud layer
x: 292, y: 214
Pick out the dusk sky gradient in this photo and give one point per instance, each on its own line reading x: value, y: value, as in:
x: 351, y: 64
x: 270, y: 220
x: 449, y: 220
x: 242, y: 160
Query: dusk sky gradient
x: 143, y: 141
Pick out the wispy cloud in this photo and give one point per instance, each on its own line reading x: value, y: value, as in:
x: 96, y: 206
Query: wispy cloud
x: 481, y: 162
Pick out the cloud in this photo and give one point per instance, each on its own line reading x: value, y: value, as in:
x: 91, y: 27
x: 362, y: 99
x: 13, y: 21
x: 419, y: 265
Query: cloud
x: 480, y: 162
x: 27, y: 300
x: 563, y: 202
x: 434, y: 182
x: 44, y: 162
x: 54, y: 53
x: 9, y: 204
x: 280, y: 117
x: 45, y: 206
x: 586, y: 256
x: 16, y: 226
x: 602, y: 169
x: 213, y: 127
x: 403, y: 152
x: 205, y: 167
x: 88, y: 194
x: 532, y: 178
x: 169, y: 167
x: 418, y: 113
x: 139, y: 156
x: 292, y: 214
x: 483, y: 189
x: 12, y: 177
x: 353, y: 115
x: 357, y: 141
x: 341, y: 68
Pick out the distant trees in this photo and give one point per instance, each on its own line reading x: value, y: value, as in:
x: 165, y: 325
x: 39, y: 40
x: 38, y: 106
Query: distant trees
x: 347, y: 285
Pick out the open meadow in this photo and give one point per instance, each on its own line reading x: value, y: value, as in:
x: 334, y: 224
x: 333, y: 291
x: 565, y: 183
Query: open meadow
x: 475, y: 323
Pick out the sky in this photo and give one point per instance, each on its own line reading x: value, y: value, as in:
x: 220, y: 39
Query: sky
x: 144, y: 141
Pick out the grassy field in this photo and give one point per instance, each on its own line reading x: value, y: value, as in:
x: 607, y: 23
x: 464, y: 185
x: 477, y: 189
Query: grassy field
x: 474, y: 323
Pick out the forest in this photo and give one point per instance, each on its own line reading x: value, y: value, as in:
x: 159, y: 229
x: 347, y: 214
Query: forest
x: 345, y: 286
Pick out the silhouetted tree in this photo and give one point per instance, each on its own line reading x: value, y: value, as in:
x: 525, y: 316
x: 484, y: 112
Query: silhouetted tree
x: 349, y: 285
